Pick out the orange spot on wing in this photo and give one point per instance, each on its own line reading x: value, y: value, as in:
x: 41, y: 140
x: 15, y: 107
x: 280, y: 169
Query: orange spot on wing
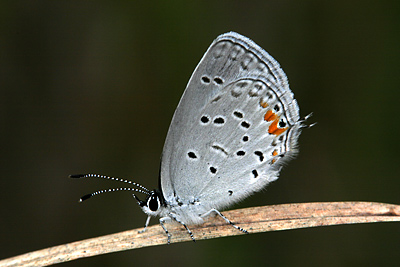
x: 273, y: 128
x: 269, y: 116
x: 275, y: 153
x: 263, y: 104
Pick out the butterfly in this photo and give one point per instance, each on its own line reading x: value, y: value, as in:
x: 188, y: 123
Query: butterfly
x: 235, y: 125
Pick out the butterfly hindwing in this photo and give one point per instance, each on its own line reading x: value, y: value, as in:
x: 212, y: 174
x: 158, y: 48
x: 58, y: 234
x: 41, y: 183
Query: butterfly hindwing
x: 236, y: 122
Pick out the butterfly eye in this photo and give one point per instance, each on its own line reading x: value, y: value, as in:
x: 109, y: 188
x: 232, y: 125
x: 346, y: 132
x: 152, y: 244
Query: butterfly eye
x: 153, y: 203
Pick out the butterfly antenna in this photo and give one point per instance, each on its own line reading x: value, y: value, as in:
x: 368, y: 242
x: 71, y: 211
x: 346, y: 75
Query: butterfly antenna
x: 85, y: 197
x: 91, y: 175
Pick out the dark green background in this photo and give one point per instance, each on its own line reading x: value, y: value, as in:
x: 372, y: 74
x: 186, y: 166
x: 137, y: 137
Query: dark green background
x: 91, y: 86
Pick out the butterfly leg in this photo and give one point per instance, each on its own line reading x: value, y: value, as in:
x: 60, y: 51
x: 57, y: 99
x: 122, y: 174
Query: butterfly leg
x: 184, y: 225
x: 162, y: 221
x: 146, y: 224
x: 226, y: 219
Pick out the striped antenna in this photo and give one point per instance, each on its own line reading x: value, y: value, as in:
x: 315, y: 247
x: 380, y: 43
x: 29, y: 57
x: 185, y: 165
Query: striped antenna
x: 91, y: 175
x: 142, y: 189
x: 85, y: 197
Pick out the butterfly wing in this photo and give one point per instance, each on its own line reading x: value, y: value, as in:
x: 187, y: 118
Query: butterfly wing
x: 235, y: 125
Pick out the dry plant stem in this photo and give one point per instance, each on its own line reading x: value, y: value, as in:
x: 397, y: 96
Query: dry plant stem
x: 255, y: 220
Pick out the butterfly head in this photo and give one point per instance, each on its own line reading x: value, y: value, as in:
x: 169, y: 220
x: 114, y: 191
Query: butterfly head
x: 153, y: 204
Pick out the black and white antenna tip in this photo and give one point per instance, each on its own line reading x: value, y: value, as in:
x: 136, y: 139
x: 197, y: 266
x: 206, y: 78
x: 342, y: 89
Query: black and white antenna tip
x: 77, y: 176
x: 85, y: 197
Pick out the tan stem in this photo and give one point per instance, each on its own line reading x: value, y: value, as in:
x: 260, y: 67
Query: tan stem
x: 254, y: 220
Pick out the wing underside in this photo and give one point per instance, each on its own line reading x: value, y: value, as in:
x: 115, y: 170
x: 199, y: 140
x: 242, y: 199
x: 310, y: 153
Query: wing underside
x: 235, y: 125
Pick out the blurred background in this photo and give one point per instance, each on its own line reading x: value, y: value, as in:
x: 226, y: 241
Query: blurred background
x: 91, y: 86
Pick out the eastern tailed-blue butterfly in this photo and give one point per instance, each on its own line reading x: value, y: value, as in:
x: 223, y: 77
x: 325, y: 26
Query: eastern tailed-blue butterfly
x: 235, y: 125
